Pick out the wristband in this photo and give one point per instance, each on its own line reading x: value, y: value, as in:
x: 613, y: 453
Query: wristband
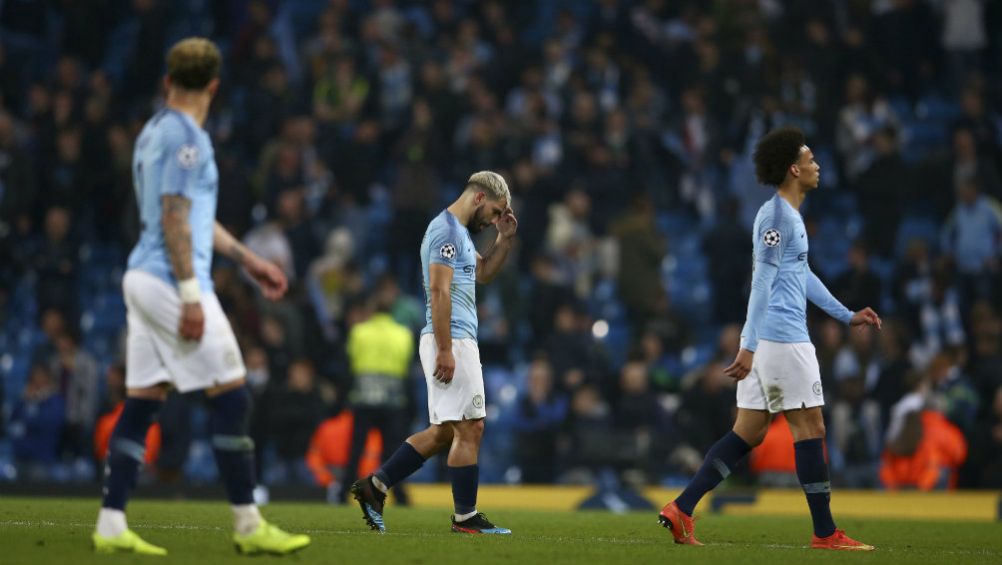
x: 189, y: 291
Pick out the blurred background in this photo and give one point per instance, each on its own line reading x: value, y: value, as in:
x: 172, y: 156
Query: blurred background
x: 624, y: 129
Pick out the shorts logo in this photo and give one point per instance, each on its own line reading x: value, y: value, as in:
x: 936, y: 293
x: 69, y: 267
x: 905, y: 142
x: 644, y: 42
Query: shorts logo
x: 817, y: 388
x: 231, y: 358
x: 771, y: 238
x: 187, y: 157
x: 448, y: 251
x: 478, y: 401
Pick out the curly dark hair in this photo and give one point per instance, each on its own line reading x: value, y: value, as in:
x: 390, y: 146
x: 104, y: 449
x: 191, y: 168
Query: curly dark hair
x: 774, y: 154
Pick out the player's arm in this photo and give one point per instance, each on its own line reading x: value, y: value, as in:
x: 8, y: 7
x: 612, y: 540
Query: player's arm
x: 490, y: 264
x: 177, y: 240
x: 268, y: 275
x: 440, y: 293
x: 820, y: 296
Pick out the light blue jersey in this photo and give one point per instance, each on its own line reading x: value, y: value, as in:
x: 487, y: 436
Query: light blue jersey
x: 448, y: 242
x: 173, y: 155
x: 782, y: 281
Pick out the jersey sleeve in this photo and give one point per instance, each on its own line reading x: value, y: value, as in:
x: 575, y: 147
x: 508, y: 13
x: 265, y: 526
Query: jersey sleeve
x: 772, y: 235
x: 820, y: 296
x: 443, y: 246
x: 181, y: 157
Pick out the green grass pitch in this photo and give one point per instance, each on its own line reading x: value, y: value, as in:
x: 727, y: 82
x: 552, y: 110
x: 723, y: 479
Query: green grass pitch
x: 57, y: 531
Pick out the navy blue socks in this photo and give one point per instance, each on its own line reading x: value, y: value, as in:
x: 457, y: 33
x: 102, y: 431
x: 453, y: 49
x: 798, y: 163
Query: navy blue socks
x: 812, y: 470
x: 465, y: 481
x: 402, y: 464
x: 126, y: 450
x: 229, y: 420
x: 719, y: 461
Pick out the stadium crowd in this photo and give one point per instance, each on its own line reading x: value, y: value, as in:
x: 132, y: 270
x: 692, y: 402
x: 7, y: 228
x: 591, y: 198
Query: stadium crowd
x: 624, y: 129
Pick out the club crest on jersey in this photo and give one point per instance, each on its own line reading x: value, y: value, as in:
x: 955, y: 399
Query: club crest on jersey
x: 187, y: 157
x: 448, y: 251
x: 771, y: 238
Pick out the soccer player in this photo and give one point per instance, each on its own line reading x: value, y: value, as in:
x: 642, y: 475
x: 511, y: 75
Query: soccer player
x: 784, y: 376
x: 449, y: 355
x: 178, y: 333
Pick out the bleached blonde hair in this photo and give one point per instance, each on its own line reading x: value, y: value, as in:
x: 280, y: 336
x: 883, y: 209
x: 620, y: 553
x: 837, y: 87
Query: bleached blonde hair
x: 493, y: 184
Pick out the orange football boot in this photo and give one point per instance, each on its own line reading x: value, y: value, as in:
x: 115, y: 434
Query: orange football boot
x: 680, y: 524
x: 839, y: 540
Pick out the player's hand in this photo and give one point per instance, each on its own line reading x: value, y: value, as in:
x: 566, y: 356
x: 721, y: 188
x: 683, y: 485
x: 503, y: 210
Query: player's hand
x: 269, y: 277
x: 741, y: 366
x: 507, y: 224
x: 866, y: 317
x: 445, y: 367
x: 192, y: 323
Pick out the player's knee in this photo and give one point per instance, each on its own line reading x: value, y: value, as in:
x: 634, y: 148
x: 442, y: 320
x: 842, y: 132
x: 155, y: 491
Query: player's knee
x: 470, y: 430
x: 809, y: 430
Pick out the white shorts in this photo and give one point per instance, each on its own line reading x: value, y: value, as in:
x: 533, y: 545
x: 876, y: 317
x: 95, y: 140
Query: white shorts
x: 156, y: 353
x: 463, y: 397
x: 784, y: 376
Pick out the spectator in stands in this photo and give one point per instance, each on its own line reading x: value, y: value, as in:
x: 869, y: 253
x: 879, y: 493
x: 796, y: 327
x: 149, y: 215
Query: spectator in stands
x: 855, y: 435
x: 894, y: 367
x: 863, y: 113
x: 976, y: 117
x: 332, y: 280
x: 880, y: 188
x: 17, y: 199
x: 571, y: 346
x: 951, y: 390
x: 972, y: 235
x: 55, y: 261
x: 539, y: 416
x: 76, y: 374
x: 590, y: 441
x: 912, y: 281
x: 294, y: 411
x: 858, y: 359
x: 637, y: 411
x: 939, y: 316
x: 707, y: 409
x: 327, y: 457
x: 727, y: 247
x: 859, y: 285
x: 967, y: 163
x: 641, y: 249
x: 36, y: 425
x: 986, y: 362
x: 923, y: 449
x: 380, y: 355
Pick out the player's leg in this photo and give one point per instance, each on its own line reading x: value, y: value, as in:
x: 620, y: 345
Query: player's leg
x: 748, y: 431
x: 229, y: 426
x: 126, y: 454
x: 465, y: 475
x: 463, y: 469
x: 808, y: 428
x: 146, y: 381
x: 370, y: 492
